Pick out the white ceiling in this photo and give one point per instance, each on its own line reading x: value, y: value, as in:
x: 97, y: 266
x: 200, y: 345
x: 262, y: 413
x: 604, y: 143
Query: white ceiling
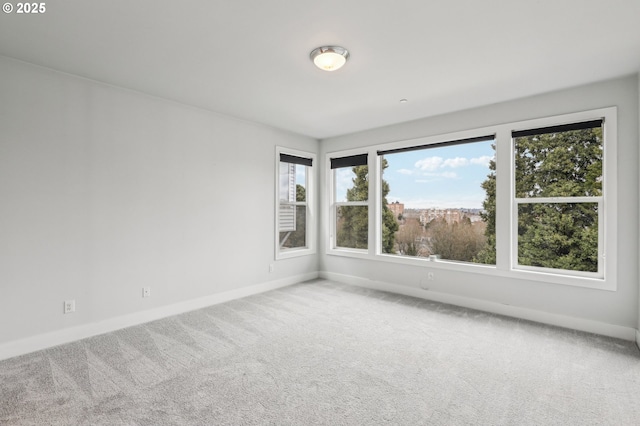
x: 250, y: 58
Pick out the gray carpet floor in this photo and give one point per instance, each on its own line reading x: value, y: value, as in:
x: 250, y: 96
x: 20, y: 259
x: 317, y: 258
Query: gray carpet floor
x: 329, y: 354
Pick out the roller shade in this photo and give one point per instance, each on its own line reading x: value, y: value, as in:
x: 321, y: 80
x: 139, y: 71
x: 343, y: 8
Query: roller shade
x: 438, y: 144
x: 556, y: 129
x: 287, y: 158
x: 350, y: 161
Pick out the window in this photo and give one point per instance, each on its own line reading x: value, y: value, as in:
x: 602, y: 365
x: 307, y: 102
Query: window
x: 350, y: 222
x: 447, y: 190
x: 531, y: 200
x: 558, y: 195
x: 293, y: 200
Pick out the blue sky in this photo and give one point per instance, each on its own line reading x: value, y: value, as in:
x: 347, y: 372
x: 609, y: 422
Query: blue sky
x: 300, y: 176
x: 445, y: 177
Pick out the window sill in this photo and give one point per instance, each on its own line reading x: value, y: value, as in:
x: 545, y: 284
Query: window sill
x: 346, y: 252
x: 294, y: 252
x: 491, y: 270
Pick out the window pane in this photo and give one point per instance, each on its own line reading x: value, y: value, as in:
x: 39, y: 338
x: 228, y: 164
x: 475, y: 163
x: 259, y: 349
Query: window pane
x: 352, y: 226
x: 352, y: 183
x: 293, y: 232
x: 559, y: 236
x: 440, y: 201
x: 301, y: 183
x: 293, y: 182
x: 287, y: 217
x: 561, y: 164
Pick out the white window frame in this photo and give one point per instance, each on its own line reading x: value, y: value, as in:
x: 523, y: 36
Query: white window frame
x: 334, y: 204
x: 311, y: 228
x: 424, y: 143
x: 606, y: 219
x: 606, y: 279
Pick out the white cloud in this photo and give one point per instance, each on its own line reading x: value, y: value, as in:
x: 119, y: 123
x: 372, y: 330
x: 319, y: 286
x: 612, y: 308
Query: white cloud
x: 405, y: 171
x: 455, y: 162
x: 482, y: 161
x: 449, y: 175
x: 429, y: 164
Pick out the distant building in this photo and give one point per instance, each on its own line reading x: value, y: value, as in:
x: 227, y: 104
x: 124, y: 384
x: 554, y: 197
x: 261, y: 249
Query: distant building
x: 397, y: 209
x: 448, y: 215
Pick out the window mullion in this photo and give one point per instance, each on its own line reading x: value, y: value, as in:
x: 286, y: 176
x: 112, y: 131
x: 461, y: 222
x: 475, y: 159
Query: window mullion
x: 375, y: 211
x: 504, y: 189
x: 602, y: 253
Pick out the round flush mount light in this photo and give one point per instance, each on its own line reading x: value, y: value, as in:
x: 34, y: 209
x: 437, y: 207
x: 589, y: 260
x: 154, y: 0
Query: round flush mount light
x: 329, y: 58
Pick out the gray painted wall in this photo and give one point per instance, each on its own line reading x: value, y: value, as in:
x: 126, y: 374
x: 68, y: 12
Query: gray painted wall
x: 617, y: 308
x: 105, y: 190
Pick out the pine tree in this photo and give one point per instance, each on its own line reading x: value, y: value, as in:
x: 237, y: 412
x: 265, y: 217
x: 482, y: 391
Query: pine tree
x: 353, y: 221
x: 488, y: 253
x: 552, y: 235
x: 389, y: 223
x: 566, y: 164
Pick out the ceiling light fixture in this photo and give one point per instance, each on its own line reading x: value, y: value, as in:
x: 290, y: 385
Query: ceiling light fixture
x: 329, y: 58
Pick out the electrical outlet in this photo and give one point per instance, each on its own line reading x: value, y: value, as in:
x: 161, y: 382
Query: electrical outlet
x: 69, y: 306
x: 271, y: 267
x: 146, y: 291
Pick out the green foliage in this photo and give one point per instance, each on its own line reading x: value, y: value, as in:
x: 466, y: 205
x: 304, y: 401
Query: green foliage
x: 353, y: 221
x: 301, y: 193
x: 566, y: 164
x: 488, y: 252
x: 561, y: 236
x: 553, y: 235
x: 389, y: 228
x: 352, y: 228
x: 360, y: 189
x: 389, y: 222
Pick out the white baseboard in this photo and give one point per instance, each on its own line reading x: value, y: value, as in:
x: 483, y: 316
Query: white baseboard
x: 55, y: 338
x: 596, y: 327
